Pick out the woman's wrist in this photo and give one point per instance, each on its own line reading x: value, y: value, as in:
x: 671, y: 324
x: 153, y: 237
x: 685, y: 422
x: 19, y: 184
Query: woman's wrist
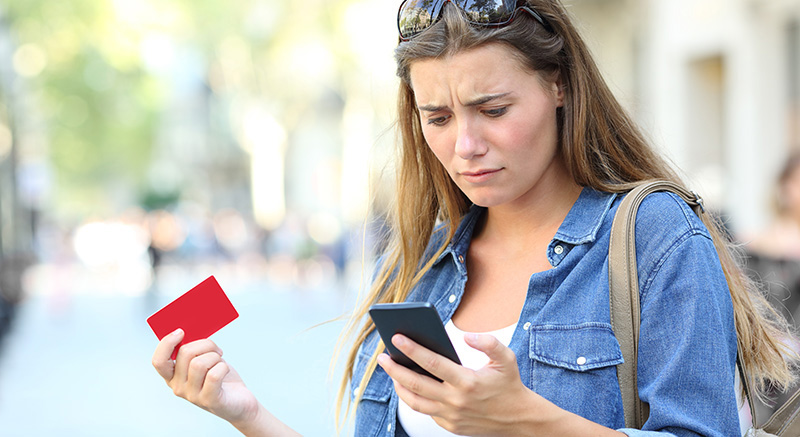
x: 547, y: 419
x: 263, y: 424
x: 544, y: 418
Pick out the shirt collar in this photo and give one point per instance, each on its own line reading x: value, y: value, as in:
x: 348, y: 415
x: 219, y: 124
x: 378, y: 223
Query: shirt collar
x: 460, y: 243
x: 580, y: 226
x: 583, y: 221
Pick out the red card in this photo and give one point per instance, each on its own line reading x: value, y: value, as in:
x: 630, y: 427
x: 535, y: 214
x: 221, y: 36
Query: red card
x: 200, y: 312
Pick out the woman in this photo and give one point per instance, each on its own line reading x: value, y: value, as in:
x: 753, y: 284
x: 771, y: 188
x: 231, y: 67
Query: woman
x: 511, y: 141
x: 781, y: 240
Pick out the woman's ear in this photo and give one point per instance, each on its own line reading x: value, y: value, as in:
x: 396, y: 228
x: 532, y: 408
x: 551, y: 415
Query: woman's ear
x: 558, y: 90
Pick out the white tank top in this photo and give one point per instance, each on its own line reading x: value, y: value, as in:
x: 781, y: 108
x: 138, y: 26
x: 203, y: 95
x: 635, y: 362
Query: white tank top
x: 421, y: 425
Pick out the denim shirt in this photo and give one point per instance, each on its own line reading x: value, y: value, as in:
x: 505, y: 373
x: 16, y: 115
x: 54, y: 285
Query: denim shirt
x: 564, y: 344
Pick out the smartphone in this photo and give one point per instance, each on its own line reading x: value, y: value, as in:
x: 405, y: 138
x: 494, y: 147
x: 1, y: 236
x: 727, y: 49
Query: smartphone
x: 418, y: 321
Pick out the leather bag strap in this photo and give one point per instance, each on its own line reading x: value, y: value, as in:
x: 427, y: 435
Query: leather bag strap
x: 624, y: 291
x: 785, y: 421
x: 626, y: 314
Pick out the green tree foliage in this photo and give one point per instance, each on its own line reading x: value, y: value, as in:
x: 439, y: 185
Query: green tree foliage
x: 98, y: 104
x: 103, y: 101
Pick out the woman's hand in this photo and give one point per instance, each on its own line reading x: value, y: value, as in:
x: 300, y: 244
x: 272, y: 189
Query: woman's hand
x: 489, y: 401
x: 201, y: 376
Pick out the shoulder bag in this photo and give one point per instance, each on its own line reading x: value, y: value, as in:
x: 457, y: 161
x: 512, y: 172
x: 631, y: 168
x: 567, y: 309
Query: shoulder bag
x: 626, y: 312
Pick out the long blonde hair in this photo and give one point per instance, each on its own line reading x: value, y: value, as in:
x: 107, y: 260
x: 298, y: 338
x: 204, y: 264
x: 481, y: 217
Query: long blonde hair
x: 602, y: 149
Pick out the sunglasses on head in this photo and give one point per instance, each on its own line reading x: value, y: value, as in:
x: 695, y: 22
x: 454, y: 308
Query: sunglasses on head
x: 415, y: 16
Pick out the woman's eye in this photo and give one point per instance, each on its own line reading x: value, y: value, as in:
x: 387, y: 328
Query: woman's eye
x: 438, y: 121
x: 497, y: 112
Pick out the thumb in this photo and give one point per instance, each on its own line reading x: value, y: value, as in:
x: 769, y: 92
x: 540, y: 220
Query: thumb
x: 491, y: 346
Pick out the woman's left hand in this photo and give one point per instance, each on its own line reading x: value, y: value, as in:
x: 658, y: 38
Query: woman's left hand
x: 488, y: 401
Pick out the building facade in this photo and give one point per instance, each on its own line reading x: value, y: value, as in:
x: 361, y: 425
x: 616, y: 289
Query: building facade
x: 715, y: 84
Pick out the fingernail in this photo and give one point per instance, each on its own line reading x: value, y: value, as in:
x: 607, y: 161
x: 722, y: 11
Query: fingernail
x: 399, y: 340
x: 382, y: 359
x: 177, y: 332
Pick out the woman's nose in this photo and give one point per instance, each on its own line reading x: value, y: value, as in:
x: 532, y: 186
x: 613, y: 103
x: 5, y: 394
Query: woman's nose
x: 469, y: 142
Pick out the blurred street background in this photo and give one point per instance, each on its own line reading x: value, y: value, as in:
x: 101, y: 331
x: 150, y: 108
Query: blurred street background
x: 146, y: 145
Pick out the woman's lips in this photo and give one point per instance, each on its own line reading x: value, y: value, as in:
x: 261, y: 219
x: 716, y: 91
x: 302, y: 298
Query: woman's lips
x: 480, y: 175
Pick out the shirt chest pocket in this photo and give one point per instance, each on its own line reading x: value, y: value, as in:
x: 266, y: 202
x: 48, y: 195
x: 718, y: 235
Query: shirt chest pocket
x: 575, y: 347
x: 574, y: 366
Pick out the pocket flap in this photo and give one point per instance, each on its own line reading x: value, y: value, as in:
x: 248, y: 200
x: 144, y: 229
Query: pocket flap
x: 576, y: 347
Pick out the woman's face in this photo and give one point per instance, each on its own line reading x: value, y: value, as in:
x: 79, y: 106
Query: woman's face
x: 492, y: 123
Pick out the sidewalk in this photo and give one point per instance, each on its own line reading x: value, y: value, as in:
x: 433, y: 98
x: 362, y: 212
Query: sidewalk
x: 78, y: 364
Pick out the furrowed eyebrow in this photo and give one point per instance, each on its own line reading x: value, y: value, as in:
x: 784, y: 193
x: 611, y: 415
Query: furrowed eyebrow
x: 485, y: 99
x: 479, y: 101
x: 431, y: 108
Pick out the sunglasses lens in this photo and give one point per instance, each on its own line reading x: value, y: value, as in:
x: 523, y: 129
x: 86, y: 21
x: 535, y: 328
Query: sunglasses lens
x: 488, y: 12
x: 415, y: 16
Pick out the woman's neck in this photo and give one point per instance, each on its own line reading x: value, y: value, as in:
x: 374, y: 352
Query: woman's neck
x: 514, y: 224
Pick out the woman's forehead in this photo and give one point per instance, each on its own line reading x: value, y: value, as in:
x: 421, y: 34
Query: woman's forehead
x: 485, y: 69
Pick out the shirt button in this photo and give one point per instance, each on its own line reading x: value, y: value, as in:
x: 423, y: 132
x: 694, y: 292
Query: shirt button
x: 581, y: 361
x: 452, y: 298
x: 558, y: 249
x: 389, y: 428
x: 526, y: 326
x: 461, y: 259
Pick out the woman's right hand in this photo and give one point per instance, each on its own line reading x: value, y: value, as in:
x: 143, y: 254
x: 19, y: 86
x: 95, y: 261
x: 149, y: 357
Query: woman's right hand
x: 201, y: 376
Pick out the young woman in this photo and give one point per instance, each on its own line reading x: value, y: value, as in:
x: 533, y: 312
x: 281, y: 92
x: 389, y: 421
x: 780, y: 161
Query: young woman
x: 781, y: 240
x: 513, y: 151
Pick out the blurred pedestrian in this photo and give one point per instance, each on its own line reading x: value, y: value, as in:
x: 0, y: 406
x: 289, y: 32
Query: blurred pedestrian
x: 514, y: 153
x: 773, y: 255
x: 781, y: 239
